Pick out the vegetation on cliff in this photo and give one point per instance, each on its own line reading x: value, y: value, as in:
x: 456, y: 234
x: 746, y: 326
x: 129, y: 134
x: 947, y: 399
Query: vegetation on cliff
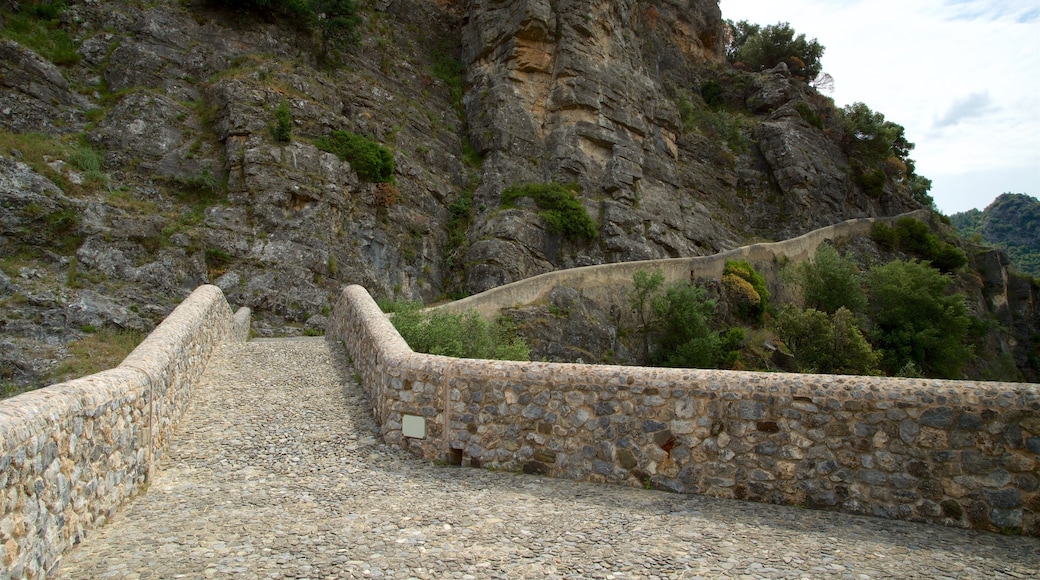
x: 1012, y: 223
x: 465, y: 335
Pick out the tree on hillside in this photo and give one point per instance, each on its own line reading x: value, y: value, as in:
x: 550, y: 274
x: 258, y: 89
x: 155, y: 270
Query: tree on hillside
x: 878, y: 147
x: 823, y: 343
x: 336, y: 22
x: 762, y: 48
x: 645, y: 292
x: 830, y: 282
x: 915, y: 321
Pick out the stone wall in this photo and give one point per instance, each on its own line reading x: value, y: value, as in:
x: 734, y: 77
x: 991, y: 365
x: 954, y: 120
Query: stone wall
x: 947, y: 452
x: 71, y: 453
x: 610, y: 283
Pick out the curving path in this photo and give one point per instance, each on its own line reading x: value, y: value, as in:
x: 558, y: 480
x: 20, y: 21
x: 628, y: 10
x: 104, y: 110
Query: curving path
x: 277, y: 472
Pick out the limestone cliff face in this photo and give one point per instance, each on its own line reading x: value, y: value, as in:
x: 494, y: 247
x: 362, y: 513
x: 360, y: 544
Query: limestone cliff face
x: 589, y: 92
x: 560, y: 91
x: 178, y: 100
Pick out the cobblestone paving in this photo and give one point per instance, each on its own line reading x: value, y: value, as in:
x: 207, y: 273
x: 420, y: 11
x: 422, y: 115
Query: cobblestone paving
x: 276, y: 472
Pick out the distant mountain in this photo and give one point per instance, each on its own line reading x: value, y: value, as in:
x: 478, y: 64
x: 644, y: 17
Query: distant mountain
x: 1011, y: 222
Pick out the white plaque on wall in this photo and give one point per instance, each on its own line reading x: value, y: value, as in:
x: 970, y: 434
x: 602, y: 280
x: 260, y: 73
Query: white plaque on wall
x: 413, y: 426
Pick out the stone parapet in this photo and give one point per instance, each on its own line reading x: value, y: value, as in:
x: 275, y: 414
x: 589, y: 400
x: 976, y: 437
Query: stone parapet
x: 955, y: 453
x: 610, y: 283
x: 72, y: 453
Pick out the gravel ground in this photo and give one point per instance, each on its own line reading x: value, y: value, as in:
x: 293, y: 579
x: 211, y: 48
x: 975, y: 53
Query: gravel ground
x: 277, y: 472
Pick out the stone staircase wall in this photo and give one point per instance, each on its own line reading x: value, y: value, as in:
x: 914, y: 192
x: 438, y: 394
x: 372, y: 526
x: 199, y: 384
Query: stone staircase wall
x: 72, y: 453
x: 955, y: 453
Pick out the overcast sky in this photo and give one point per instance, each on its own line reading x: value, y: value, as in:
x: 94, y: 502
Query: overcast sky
x: 962, y: 76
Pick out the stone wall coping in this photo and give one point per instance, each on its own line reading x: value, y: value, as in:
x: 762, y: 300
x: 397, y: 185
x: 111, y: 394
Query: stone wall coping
x: 35, y: 412
x: 128, y: 411
x: 950, y: 452
x: 537, y: 288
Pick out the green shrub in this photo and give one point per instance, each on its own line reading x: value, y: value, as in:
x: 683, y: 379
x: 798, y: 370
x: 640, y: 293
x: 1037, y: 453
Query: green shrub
x: 916, y: 321
x: 457, y: 335
x: 872, y: 182
x: 826, y: 344
x: 743, y: 300
x: 335, y: 21
x: 711, y: 92
x: 830, y: 282
x: 562, y: 211
x: 884, y: 235
x: 677, y: 319
x: 761, y: 48
x: 915, y: 237
x: 806, y: 111
x: 751, y: 298
x: 686, y: 339
x: 283, y: 123
x: 372, y: 161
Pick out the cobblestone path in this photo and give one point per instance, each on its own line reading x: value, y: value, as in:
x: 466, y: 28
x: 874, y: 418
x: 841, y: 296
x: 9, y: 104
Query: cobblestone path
x: 276, y: 473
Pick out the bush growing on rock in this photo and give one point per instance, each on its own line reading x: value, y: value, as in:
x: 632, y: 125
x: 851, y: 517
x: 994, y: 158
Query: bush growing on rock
x: 372, y: 161
x: 458, y: 335
x: 561, y: 209
x: 830, y: 282
x: 826, y: 344
x: 914, y: 237
x: 746, y: 290
x: 283, y: 122
x: 916, y: 321
x: 761, y: 48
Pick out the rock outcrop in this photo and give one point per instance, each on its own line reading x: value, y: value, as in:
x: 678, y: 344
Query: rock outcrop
x: 586, y: 92
x: 173, y: 104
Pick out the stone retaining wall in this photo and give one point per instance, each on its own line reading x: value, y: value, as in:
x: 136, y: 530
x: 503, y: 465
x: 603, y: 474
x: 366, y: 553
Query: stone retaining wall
x: 610, y: 283
x: 71, y: 453
x: 948, y: 452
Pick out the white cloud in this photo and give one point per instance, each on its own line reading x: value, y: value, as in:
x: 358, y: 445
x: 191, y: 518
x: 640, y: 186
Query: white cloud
x: 959, y: 75
x: 973, y: 105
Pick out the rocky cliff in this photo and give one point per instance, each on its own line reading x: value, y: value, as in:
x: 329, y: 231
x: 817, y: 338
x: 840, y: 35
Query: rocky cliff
x: 139, y: 160
x: 1012, y: 223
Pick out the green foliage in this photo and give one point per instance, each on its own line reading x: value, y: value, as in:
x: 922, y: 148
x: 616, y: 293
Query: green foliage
x: 686, y: 339
x: 646, y: 287
x: 761, y: 48
x: 460, y: 218
x: 713, y: 122
x: 450, y: 70
x: 830, y: 282
x: 806, y: 111
x: 916, y: 321
x: 872, y: 182
x: 914, y: 237
x: 335, y: 22
x: 100, y: 350
x: 711, y: 92
x: 372, y: 161
x: 37, y: 26
x: 86, y: 159
x: 746, y: 289
x: 871, y: 141
x: 823, y: 343
x: 561, y: 209
x: 1012, y: 223
x: 217, y: 261
x: 677, y: 319
x: 283, y: 123
x: 458, y: 335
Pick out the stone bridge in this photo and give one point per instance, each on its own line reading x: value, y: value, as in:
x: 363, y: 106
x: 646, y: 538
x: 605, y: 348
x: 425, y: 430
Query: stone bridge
x: 203, y: 455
